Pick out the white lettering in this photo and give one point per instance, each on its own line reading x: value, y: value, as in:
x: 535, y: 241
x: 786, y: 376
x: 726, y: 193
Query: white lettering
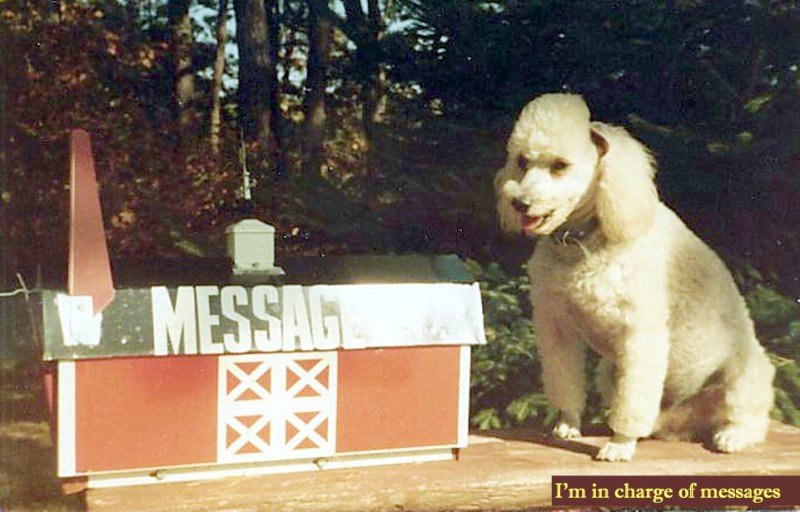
x: 295, y: 320
x: 325, y: 330
x: 170, y: 325
x: 230, y: 297
x: 267, y: 341
x: 239, y: 319
x: 205, y: 320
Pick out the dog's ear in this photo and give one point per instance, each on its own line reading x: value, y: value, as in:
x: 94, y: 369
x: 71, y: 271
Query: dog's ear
x: 626, y: 194
x: 509, y: 220
x: 599, y: 142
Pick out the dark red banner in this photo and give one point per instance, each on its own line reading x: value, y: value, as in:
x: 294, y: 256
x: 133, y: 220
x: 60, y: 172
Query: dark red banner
x: 676, y: 491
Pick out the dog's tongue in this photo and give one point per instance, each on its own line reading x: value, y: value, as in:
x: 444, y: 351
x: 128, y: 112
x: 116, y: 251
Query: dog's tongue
x: 530, y: 223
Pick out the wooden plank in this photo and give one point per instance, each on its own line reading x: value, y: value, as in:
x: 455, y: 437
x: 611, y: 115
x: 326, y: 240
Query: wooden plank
x: 505, y: 470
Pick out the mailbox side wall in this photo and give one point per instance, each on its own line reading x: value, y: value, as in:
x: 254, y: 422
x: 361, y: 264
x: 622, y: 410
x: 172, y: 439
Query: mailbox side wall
x: 129, y: 414
x: 145, y: 412
x: 398, y: 398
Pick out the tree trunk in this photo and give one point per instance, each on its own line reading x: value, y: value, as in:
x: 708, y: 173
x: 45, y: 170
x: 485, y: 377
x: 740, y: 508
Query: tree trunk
x: 319, y: 38
x: 374, y: 88
x: 216, y: 83
x: 132, y: 13
x: 373, y: 93
x: 181, y: 41
x: 276, y: 117
x: 366, y: 30
x: 256, y: 72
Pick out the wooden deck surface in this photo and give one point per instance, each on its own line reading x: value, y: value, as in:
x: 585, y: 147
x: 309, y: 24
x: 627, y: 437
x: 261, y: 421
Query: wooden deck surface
x: 506, y: 470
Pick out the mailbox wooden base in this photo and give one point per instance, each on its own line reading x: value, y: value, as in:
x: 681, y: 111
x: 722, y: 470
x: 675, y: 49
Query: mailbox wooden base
x: 136, y: 420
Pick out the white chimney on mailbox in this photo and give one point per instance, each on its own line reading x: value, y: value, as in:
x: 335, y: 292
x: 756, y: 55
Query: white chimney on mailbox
x: 251, y: 247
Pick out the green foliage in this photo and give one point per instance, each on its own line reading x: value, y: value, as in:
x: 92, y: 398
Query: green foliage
x: 506, y: 385
x: 506, y: 373
x: 770, y: 308
x: 777, y: 319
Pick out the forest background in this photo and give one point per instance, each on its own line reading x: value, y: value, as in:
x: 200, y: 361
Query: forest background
x: 376, y: 126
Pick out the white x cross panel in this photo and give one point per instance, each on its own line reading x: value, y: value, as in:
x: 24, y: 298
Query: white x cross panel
x: 306, y: 378
x: 248, y: 435
x: 276, y: 406
x: 248, y: 381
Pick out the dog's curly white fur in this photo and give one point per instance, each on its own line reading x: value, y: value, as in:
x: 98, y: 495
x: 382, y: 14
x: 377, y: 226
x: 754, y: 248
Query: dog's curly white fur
x: 617, y: 270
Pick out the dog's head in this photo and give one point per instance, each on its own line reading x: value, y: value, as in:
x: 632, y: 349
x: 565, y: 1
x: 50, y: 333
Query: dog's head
x: 563, y: 169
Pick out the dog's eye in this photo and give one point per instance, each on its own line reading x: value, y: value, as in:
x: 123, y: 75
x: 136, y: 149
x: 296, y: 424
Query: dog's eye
x: 523, y: 163
x: 559, y: 166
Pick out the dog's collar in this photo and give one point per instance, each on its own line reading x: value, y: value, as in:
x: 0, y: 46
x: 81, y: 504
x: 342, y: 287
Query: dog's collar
x: 575, y: 236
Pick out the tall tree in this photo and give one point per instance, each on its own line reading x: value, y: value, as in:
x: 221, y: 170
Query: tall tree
x: 276, y: 118
x: 181, y: 41
x: 319, y: 38
x: 366, y: 29
x: 257, y: 87
x: 216, y: 81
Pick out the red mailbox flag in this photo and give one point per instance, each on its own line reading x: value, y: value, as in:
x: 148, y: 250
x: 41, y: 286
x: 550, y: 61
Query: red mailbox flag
x: 89, y: 265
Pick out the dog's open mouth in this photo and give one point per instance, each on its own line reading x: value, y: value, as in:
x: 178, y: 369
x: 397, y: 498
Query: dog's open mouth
x: 530, y: 223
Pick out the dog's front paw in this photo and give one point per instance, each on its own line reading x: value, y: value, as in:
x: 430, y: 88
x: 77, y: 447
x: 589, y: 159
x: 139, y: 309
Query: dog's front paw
x: 564, y: 430
x: 568, y: 426
x: 733, y: 438
x: 620, y: 448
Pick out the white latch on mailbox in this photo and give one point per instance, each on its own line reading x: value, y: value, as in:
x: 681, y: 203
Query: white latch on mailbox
x: 79, y: 324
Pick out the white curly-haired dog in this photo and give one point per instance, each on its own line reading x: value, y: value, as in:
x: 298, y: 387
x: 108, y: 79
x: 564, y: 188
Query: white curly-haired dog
x: 617, y: 270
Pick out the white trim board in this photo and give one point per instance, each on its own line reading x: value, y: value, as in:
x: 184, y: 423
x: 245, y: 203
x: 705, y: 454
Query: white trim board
x: 186, y: 474
x: 463, y: 396
x: 65, y: 408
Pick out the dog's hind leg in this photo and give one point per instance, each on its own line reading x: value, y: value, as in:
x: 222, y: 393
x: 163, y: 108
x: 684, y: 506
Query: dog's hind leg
x: 747, y: 401
x: 604, y: 381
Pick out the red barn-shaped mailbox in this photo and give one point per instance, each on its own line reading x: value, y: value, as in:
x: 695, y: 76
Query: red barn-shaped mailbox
x: 184, y: 370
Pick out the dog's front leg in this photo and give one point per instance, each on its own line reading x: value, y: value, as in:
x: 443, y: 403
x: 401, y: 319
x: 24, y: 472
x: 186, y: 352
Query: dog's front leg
x: 640, y: 370
x: 563, y: 359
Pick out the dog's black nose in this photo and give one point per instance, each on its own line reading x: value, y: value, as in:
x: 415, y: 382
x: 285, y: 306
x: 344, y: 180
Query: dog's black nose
x: 520, y: 205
